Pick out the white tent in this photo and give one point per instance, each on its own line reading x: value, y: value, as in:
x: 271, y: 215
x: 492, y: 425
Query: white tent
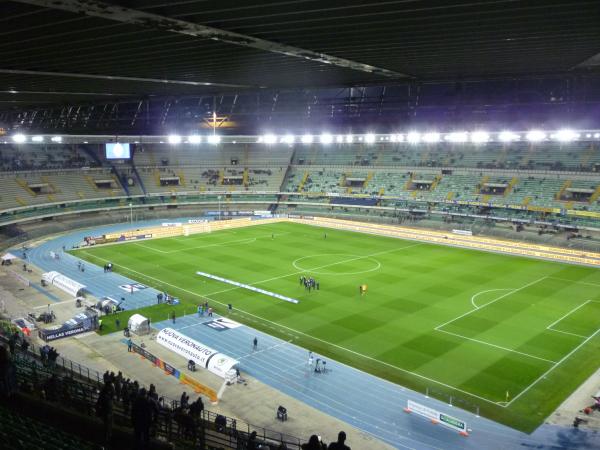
x: 64, y: 283
x: 8, y: 257
x: 139, y: 324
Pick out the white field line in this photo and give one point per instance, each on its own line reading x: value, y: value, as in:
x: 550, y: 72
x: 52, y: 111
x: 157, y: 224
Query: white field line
x: 497, y: 346
x: 248, y: 240
x: 315, y: 268
x: 279, y: 326
x: 576, y: 281
x: 489, y: 303
x: 484, y: 292
x: 549, y: 327
x: 563, y: 359
x: 567, y: 332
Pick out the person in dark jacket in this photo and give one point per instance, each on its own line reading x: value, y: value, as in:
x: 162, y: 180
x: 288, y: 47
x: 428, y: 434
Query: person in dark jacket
x: 341, y: 442
x: 141, y: 416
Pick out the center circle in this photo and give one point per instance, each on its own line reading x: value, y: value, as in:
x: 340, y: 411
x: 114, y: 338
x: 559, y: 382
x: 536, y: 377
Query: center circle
x: 336, y: 264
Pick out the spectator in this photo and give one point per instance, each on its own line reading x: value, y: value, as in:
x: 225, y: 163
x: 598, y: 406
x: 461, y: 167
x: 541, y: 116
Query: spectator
x: 252, y: 443
x: 7, y: 373
x: 104, y: 410
x: 184, y: 400
x: 341, y: 442
x: 141, y: 416
x: 314, y: 443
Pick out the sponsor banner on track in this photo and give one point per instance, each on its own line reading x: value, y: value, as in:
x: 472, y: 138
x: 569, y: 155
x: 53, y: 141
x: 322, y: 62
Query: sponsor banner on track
x: 222, y: 324
x: 437, y: 416
x: 136, y: 287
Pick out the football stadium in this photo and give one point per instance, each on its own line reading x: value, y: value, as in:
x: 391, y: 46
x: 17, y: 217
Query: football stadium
x: 300, y: 225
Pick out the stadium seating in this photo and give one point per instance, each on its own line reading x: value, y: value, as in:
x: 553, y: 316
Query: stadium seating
x: 534, y: 175
x: 21, y: 432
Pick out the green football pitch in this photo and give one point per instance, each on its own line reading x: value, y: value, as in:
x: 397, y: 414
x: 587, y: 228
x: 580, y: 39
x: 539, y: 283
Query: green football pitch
x: 511, y: 336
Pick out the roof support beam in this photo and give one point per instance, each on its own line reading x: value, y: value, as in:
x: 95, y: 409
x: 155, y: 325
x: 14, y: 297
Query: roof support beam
x: 103, y: 10
x: 118, y: 78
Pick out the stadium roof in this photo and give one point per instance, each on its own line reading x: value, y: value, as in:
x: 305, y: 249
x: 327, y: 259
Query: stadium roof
x: 62, y: 51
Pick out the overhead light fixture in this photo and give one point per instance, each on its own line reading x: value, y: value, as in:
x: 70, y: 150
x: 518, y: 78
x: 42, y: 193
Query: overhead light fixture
x: 413, y: 137
x: 536, y: 136
x: 339, y: 139
x: 480, y: 137
x: 508, y: 136
x: 288, y: 139
x: 307, y: 139
x: 194, y: 139
x: 349, y: 139
x: 326, y: 139
x: 369, y: 138
x: 566, y: 135
x: 596, y: 135
x: 37, y: 139
x: 19, y: 138
x: 269, y: 139
x: 213, y: 139
x: 174, y: 139
x: 457, y: 137
x: 431, y: 137
x: 57, y: 139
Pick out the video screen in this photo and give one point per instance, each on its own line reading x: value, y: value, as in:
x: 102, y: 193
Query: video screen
x: 118, y: 151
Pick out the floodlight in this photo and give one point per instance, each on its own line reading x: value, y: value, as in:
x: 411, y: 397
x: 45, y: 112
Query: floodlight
x: 508, y: 136
x: 536, y: 136
x: 349, y: 139
x: 194, y: 139
x: 431, y: 137
x: 339, y: 139
x: 413, y: 137
x: 174, y: 139
x: 369, y: 138
x: 326, y: 138
x: 56, y: 139
x: 269, y: 139
x: 307, y: 139
x: 213, y: 139
x: 19, y: 138
x: 566, y: 135
x: 400, y: 137
x: 288, y: 139
x: 37, y: 139
x: 480, y: 137
x: 457, y: 137
x: 597, y: 135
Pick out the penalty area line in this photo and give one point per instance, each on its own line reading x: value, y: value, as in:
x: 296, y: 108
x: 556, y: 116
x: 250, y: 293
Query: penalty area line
x: 545, y: 374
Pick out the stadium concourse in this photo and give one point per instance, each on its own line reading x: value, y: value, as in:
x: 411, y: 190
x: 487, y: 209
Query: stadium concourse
x: 366, y: 402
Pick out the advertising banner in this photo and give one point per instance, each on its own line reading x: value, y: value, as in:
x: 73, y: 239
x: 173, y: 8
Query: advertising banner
x: 437, y: 417
x: 193, y: 350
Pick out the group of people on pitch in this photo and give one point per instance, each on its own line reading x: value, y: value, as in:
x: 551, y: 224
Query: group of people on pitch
x: 309, y: 283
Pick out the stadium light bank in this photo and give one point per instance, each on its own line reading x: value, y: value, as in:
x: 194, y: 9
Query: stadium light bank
x: 409, y: 137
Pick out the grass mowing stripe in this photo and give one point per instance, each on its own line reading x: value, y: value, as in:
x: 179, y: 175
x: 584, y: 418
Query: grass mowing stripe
x: 495, y: 346
x: 563, y: 359
x: 316, y: 338
x: 489, y: 303
x: 390, y: 332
